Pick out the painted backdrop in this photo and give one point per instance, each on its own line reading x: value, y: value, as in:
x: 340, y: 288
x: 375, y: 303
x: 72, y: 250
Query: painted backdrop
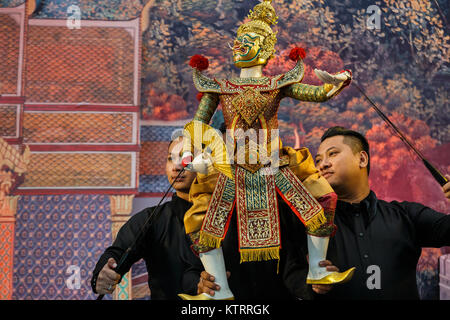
x: 400, y: 56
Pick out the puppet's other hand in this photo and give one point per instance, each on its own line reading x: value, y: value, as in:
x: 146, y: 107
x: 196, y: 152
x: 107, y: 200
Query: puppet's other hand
x: 338, y: 81
x: 334, y: 79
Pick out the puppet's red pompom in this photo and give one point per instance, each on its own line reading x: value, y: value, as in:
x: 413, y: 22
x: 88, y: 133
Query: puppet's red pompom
x: 199, y: 96
x: 297, y: 53
x: 200, y: 62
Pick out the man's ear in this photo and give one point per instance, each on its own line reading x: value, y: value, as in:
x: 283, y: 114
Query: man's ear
x: 363, y: 159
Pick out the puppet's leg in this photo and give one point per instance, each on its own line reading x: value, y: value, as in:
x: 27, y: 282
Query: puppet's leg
x: 214, y: 263
x: 211, y: 258
x: 302, y: 165
x: 318, y: 246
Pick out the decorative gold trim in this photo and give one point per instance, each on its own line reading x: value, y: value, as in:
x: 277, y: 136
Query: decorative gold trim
x: 237, y: 85
x: 145, y: 15
x: 260, y: 254
x: 334, y: 278
x: 317, y: 221
x: 31, y: 7
x: 12, y: 158
x: 202, y: 296
x: 8, y: 206
x: 121, y: 204
x: 209, y: 241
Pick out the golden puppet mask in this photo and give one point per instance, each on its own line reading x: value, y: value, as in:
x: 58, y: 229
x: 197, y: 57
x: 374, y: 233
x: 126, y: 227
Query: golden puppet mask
x: 247, y: 49
x: 255, y: 41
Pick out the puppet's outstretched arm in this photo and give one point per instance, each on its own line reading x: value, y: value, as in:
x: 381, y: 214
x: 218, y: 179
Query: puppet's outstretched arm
x: 333, y: 85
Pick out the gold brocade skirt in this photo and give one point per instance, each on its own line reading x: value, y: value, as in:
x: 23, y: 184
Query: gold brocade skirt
x: 299, y: 184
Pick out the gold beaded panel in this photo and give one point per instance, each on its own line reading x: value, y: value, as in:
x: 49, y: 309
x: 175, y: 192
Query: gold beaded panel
x: 78, y: 127
x: 8, y: 120
x: 79, y: 170
x: 90, y: 64
x: 153, y: 158
x: 9, y: 54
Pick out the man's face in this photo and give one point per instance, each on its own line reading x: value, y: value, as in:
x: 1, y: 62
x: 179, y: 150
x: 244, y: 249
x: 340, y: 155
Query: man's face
x: 173, y: 168
x: 338, y: 164
x: 246, y: 50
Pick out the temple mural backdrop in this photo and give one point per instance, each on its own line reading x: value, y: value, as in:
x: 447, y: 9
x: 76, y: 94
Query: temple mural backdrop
x: 92, y: 90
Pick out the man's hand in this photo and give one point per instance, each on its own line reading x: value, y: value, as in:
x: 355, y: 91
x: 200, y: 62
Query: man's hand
x: 325, y: 288
x: 107, y: 278
x: 206, y: 284
x: 446, y: 187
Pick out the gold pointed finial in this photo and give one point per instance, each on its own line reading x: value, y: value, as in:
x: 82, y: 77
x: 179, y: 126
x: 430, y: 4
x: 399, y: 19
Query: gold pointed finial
x: 31, y: 7
x: 145, y: 15
x: 264, y: 12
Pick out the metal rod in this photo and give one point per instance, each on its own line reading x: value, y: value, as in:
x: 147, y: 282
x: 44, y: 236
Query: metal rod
x: 438, y: 176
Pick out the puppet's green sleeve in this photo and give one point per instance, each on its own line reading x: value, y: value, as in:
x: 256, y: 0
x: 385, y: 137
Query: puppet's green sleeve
x: 207, y: 106
x: 307, y: 92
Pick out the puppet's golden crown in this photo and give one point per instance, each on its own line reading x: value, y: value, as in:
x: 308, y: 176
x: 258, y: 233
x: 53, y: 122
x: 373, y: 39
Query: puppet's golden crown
x: 261, y: 18
x: 264, y: 12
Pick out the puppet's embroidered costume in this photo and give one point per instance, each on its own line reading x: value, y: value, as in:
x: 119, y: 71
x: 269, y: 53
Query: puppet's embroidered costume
x: 260, y: 167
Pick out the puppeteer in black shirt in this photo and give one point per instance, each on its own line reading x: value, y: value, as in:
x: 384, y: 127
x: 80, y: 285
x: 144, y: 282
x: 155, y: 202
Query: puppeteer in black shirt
x: 386, y: 235
x: 165, y: 250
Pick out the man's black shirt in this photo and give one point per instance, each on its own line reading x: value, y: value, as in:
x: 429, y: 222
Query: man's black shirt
x: 386, y: 235
x: 165, y: 250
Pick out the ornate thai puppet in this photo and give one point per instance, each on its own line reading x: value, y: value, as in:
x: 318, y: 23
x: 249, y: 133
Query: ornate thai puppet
x: 254, y: 179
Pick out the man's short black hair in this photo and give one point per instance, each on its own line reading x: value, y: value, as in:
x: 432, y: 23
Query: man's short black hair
x: 355, y: 140
x: 176, y: 134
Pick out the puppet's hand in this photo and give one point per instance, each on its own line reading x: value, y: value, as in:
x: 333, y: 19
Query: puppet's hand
x: 334, y: 79
x: 200, y: 164
x: 337, y: 80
